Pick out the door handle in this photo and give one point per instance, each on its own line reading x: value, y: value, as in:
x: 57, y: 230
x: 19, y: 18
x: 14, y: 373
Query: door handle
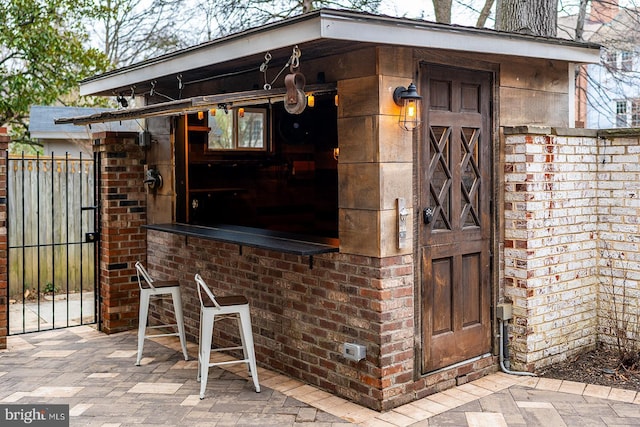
x: 427, y: 215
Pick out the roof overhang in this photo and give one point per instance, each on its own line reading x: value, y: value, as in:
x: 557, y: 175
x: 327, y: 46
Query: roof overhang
x: 332, y: 29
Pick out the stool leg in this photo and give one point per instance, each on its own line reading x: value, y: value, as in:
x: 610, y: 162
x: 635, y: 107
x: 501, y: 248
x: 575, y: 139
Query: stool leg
x: 245, y: 321
x: 177, y: 307
x: 199, y: 348
x: 142, y: 322
x: 205, y: 351
x: 245, y: 352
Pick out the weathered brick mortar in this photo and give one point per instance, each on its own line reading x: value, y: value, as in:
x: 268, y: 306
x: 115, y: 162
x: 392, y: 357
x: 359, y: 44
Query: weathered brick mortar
x: 122, y: 239
x: 566, y: 200
x: 4, y: 314
x: 302, y: 316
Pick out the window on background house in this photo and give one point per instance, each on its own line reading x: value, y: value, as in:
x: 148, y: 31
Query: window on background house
x: 626, y: 61
x: 621, y: 114
x: 635, y: 113
x: 610, y: 58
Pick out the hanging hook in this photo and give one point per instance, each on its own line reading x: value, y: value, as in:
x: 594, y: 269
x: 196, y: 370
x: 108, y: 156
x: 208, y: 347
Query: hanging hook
x: 264, y: 65
x: 295, y: 58
x: 180, y: 85
x: 153, y: 88
x: 263, y: 69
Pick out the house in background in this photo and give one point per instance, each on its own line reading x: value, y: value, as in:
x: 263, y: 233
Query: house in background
x: 608, y: 93
x: 60, y: 139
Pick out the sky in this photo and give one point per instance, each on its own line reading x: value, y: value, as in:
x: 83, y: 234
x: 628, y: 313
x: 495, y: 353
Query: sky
x: 462, y: 10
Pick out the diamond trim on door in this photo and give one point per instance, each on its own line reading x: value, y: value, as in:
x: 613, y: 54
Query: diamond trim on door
x: 470, y: 182
x: 440, y: 177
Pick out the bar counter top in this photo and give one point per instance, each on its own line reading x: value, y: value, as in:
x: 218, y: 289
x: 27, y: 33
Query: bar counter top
x: 254, y: 237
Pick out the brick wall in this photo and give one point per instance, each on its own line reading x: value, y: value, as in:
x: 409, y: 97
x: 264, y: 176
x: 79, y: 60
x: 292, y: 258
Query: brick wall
x: 122, y: 240
x: 619, y: 239
x: 4, y: 315
x: 301, y: 316
x: 570, y: 234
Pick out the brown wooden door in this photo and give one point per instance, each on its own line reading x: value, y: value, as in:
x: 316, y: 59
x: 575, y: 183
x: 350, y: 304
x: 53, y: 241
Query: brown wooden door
x: 455, y: 186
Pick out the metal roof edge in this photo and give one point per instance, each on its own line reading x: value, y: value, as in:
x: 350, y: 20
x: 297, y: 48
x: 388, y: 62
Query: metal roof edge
x: 333, y: 24
x: 203, y: 48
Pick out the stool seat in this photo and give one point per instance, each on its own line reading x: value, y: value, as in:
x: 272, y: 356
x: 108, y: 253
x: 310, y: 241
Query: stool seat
x: 150, y: 288
x: 236, y: 306
x: 160, y: 284
x: 226, y: 301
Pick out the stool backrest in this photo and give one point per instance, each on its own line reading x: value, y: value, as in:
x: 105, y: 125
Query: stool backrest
x: 202, y: 286
x: 145, y: 275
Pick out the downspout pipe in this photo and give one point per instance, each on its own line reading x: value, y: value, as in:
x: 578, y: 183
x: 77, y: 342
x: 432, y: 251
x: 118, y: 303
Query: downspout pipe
x: 503, y: 336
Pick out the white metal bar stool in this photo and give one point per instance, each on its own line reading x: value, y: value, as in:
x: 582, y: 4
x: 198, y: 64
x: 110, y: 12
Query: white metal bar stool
x: 235, y: 306
x: 158, y: 288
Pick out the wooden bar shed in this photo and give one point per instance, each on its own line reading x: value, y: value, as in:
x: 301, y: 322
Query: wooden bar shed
x: 340, y: 226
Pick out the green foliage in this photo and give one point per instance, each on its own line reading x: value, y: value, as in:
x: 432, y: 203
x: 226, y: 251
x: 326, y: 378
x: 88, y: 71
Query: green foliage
x: 42, y: 56
x: 50, y: 288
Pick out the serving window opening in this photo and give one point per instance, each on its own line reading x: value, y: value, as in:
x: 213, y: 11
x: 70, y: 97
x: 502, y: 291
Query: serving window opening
x: 260, y: 167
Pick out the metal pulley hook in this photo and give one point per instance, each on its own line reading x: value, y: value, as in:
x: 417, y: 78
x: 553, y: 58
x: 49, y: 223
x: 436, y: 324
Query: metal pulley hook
x: 295, y: 100
x: 263, y: 69
x: 264, y: 65
x: 295, y: 59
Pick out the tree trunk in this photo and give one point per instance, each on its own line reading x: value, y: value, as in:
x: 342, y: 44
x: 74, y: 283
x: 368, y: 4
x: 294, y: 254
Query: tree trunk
x: 536, y: 17
x: 307, y: 6
x: 582, y: 13
x: 442, y: 9
x: 484, y: 13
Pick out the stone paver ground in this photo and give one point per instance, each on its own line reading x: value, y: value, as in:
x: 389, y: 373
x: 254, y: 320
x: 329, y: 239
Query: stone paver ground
x: 96, y: 376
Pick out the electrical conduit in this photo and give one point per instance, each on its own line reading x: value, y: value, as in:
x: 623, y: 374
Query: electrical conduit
x: 503, y: 336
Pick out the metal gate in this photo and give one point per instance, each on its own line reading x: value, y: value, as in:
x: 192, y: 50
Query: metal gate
x: 52, y: 239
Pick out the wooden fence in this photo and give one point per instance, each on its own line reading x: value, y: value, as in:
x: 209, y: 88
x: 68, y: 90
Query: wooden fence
x: 47, y: 225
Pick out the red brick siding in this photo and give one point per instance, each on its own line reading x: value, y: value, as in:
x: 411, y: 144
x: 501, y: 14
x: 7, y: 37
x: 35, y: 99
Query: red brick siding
x: 4, y: 315
x: 122, y: 240
x: 301, y: 316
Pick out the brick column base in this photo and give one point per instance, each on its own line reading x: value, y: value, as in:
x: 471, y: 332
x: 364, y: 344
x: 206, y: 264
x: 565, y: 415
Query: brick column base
x: 122, y: 239
x: 4, y: 290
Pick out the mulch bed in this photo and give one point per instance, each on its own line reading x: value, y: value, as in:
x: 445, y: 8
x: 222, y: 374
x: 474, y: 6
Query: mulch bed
x: 600, y: 366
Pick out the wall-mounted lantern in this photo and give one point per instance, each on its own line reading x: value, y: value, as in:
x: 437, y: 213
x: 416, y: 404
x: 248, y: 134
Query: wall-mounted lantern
x: 408, y: 100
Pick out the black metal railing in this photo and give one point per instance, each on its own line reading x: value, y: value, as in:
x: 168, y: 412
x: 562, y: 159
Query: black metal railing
x: 52, y: 221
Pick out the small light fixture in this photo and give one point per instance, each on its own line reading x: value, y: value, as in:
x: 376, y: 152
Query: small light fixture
x: 408, y: 100
x: 240, y: 112
x: 311, y: 100
x: 212, y: 112
x: 335, y: 100
x: 200, y: 115
x: 336, y: 153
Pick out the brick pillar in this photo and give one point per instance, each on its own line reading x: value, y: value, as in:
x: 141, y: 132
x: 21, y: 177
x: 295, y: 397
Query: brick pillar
x: 122, y: 239
x: 4, y: 291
